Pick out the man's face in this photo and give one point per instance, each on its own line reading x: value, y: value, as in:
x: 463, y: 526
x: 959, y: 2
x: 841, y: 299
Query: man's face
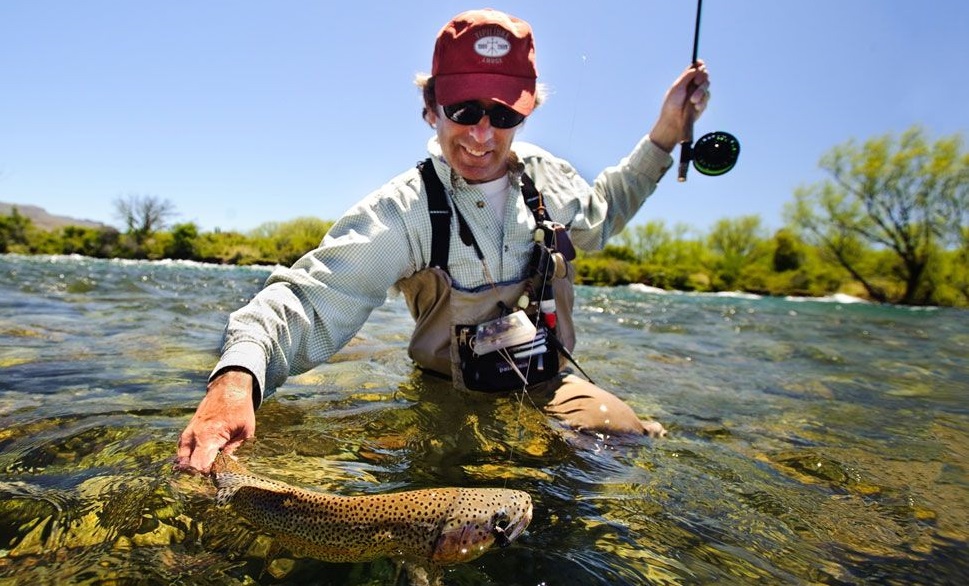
x: 478, y: 152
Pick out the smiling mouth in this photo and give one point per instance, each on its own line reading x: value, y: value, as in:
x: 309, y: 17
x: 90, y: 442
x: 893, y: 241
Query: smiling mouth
x: 475, y: 152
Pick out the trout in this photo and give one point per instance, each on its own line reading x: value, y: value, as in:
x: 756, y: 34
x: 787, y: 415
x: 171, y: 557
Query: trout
x: 422, y: 529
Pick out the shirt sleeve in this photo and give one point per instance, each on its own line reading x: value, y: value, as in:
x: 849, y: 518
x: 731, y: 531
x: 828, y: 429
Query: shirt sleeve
x: 309, y: 311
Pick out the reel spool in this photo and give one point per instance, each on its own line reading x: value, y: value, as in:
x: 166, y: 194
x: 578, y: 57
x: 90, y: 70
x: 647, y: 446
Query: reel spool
x: 716, y: 153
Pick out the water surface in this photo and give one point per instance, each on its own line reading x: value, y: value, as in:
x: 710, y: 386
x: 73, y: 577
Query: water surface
x: 811, y: 442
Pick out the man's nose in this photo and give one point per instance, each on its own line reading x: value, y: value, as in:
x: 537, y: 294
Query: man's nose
x: 483, y: 131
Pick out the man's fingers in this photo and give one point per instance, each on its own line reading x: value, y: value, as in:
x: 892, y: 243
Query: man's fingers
x: 183, y: 457
x: 194, y: 455
x: 233, y: 444
x: 185, y: 446
x: 700, y: 92
x: 203, y: 457
x: 654, y: 429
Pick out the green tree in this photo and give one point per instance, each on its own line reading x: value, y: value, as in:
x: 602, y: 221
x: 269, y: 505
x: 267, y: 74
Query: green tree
x: 648, y: 241
x: 96, y: 242
x: 285, y: 242
x: 184, y: 244
x: 228, y: 248
x: 735, y: 243
x: 623, y: 253
x: 788, y: 251
x: 14, y: 231
x: 906, y: 195
x: 655, y: 244
x: 664, y: 257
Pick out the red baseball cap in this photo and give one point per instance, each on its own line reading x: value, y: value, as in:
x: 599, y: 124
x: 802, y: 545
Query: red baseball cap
x: 482, y: 55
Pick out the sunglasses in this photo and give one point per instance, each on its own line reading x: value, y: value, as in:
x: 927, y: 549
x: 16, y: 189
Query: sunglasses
x: 470, y: 113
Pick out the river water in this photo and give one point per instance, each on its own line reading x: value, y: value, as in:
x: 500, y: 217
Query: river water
x: 811, y: 441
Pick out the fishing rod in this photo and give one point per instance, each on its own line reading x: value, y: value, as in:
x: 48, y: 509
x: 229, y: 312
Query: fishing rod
x: 715, y: 153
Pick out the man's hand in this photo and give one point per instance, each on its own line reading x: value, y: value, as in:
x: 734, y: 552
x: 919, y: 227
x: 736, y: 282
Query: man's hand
x: 684, y: 102
x: 654, y: 429
x: 224, y: 419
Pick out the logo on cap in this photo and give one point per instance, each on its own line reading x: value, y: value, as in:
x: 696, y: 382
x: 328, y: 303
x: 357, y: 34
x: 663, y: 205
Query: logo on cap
x: 492, y: 46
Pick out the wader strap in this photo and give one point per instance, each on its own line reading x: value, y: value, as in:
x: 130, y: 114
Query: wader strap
x: 533, y: 199
x: 440, y: 212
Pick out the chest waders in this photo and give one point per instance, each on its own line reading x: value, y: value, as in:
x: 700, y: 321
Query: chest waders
x: 446, y: 317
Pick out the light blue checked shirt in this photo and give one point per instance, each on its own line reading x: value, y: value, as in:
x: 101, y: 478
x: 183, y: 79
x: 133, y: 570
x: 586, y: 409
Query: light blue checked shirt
x: 307, y: 312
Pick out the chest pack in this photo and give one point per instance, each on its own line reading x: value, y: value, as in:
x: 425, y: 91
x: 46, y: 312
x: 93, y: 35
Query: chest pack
x: 484, y: 364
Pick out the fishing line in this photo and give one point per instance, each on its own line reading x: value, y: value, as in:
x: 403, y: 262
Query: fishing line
x: 575, y: 107
x: 519, y: 428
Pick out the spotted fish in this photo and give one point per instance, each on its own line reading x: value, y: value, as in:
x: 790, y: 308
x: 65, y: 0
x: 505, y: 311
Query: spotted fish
x: 424, y: 529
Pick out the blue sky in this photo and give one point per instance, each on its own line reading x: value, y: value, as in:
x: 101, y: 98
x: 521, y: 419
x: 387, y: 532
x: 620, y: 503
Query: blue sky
x: 241, y: 112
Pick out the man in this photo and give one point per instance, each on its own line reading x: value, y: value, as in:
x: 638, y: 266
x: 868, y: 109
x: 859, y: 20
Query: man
x: 477, y: 239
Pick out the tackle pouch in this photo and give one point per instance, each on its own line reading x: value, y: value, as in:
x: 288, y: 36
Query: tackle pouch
x: 537, y: 359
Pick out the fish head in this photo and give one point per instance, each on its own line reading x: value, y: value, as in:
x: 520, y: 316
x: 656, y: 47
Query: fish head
x: 225, y: 462
x: 507, y: 528
x: 479, y: 519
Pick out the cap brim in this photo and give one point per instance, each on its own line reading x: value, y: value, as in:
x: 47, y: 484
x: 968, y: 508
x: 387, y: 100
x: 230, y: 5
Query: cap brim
x: 518, y: 93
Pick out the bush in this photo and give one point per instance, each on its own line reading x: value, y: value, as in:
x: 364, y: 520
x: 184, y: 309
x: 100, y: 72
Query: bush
x: 184, y: 244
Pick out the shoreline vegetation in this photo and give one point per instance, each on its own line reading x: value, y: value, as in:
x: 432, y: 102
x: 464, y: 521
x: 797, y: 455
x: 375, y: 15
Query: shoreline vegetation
x: 889, y: 225
x: 735, y: 256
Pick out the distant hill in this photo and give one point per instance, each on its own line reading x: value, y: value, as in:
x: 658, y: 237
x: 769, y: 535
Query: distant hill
x: 44, y: 220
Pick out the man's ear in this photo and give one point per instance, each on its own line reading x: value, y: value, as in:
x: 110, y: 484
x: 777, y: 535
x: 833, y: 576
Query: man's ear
x: 430, y: 116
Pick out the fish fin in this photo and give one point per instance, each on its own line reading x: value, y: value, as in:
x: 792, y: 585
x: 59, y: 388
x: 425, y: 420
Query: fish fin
x: 229, y: 483
x: 422, y: 575
x: 235, y: 481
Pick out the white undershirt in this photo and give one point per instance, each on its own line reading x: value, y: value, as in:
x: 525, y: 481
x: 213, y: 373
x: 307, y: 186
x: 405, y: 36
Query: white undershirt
x: 496, y: 193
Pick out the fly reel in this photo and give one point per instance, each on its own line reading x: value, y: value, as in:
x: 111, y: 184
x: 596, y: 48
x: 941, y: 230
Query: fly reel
x: 716, y: 153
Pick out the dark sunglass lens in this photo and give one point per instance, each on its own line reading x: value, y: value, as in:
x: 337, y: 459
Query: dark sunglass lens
x: 470, y: 113
x: 504, y: 117
x: 466, y: 113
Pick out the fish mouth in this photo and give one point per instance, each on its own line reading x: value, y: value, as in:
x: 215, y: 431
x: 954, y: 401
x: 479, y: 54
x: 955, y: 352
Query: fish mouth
x: 506, y: 529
